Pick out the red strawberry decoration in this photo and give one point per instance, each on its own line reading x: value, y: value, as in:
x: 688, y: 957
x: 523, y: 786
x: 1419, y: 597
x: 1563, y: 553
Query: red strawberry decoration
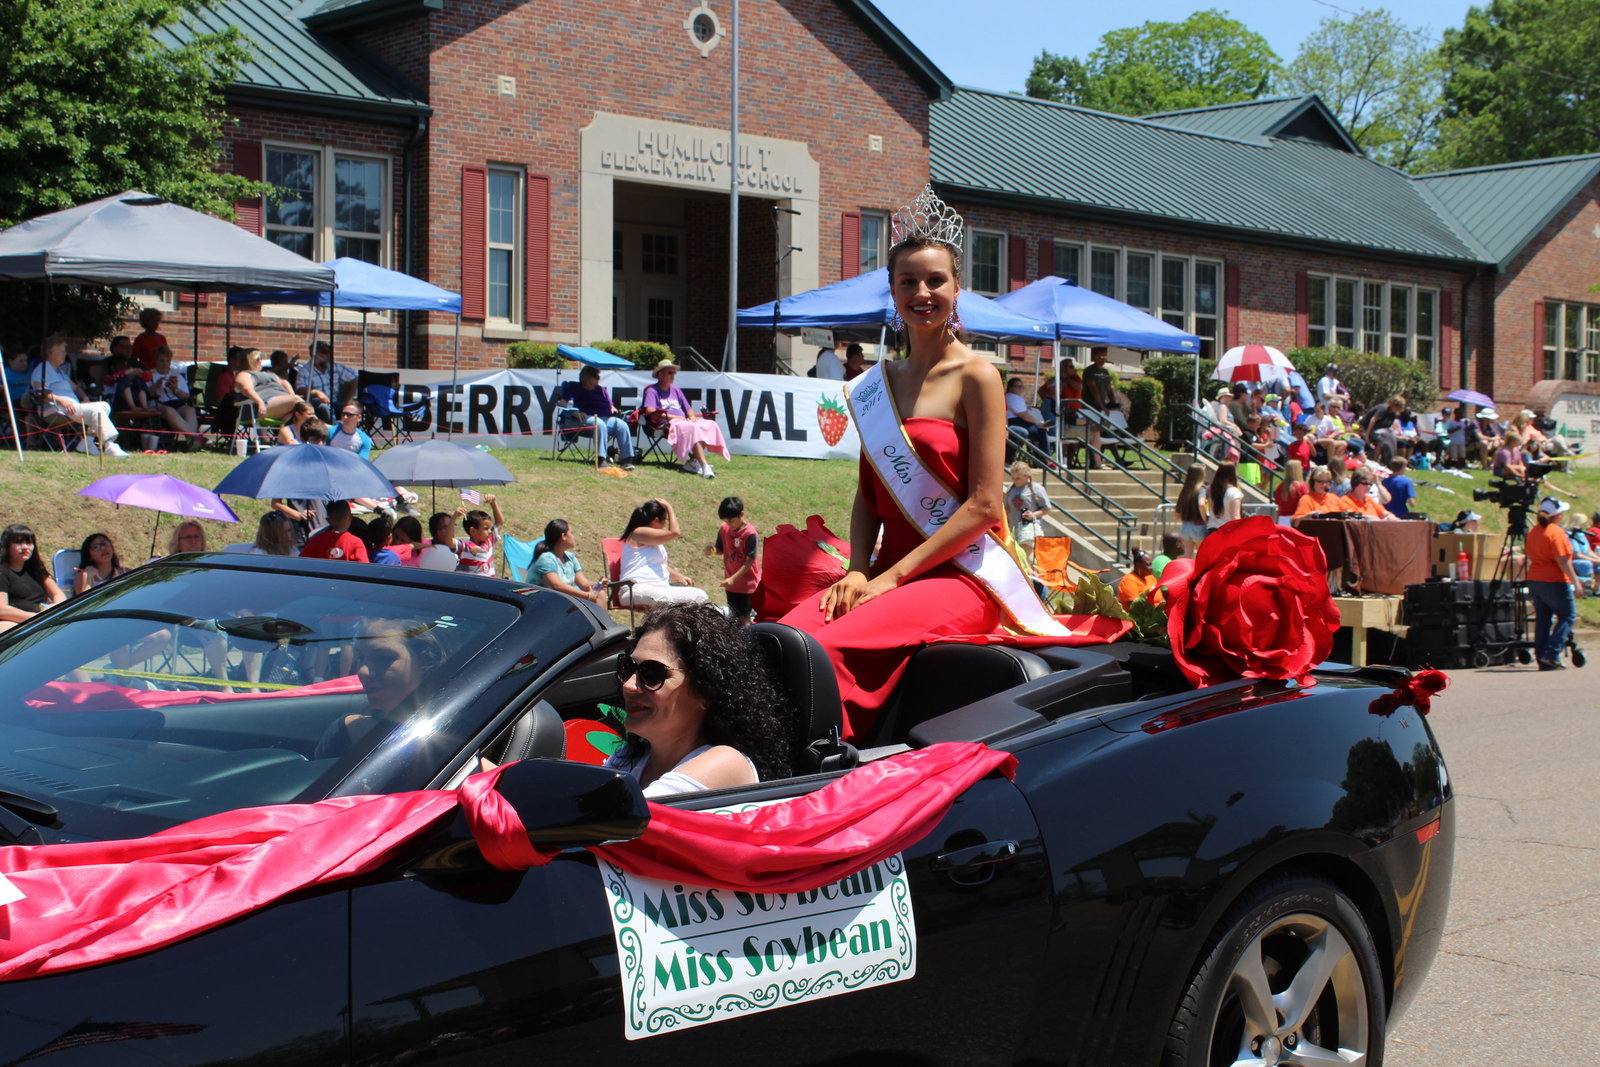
x: 833, y: 420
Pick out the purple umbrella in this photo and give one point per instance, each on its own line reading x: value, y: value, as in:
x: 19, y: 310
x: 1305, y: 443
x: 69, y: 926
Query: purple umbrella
x: 161, y: 492
x: 1467, y: 396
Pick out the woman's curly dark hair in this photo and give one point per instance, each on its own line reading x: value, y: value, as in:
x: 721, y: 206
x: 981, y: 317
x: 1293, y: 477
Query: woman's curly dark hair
x: 743, y: 709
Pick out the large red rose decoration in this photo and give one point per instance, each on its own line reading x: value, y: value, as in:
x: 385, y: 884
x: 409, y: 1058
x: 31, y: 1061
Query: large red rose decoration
x: 1254, y: 603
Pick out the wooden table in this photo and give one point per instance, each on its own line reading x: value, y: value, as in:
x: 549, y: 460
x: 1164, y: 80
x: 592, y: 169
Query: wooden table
x: 1361, y: 613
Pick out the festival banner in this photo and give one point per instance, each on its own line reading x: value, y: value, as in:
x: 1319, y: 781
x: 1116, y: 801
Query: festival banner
x: 760, y: 414
x: 691, y: 955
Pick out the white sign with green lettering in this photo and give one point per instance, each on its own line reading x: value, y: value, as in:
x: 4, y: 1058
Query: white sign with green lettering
x: 693, y: 954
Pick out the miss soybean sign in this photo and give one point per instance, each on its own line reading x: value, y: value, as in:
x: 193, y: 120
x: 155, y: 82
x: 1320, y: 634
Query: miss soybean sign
x: 694, y: 954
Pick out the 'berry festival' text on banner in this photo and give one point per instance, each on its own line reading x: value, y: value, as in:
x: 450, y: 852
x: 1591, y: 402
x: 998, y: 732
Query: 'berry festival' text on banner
x: 760, y: 414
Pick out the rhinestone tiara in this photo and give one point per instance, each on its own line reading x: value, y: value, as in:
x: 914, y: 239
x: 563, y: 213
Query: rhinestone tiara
x: 927, y: 217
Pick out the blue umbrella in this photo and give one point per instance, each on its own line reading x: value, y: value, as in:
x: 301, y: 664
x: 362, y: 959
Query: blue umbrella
x: 1468, y: 396
x: 435, y: 462
x: 306, y: 472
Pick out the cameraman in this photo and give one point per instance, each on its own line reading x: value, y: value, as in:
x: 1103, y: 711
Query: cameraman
x: 1551, y: 583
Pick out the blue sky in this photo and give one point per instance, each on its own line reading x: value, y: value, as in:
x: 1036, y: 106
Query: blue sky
x: 996, y: 49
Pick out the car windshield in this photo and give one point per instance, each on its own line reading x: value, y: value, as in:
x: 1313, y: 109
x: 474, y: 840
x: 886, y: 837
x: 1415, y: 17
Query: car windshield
x: 183, y: 691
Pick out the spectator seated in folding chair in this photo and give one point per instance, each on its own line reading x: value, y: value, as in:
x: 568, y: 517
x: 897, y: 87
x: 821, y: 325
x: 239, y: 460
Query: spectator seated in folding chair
x: 60, y: 400
x: 586, y: 411
x: 619, y: 594
x: 692, y: 434
x: 264, y: 401
x: 131, y: 406
x: 387, y: 417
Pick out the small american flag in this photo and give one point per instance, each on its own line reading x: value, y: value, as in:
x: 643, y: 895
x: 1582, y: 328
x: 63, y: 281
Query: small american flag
x: 92, y: 1033
x: 472, y: 496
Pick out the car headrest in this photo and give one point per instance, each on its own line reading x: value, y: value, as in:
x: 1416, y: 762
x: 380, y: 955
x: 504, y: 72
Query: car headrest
x: 537, y: 734
x: 805, y: 679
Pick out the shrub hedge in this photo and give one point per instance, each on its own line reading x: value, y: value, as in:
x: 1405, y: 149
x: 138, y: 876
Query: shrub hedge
x: 1371, y: 379
x: 539, y: 355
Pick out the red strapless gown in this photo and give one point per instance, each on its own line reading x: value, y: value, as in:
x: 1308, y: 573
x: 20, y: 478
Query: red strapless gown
x: 869, y: 647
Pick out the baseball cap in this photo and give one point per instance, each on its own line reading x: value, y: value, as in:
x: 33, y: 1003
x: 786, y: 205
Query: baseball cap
x: 1469, y: 516
x: 1551, y: 506
x: 1332, y: 366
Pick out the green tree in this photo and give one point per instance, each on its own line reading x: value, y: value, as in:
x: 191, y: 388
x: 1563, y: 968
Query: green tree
x: 1383, y: 80
x: 1524, y: 83
x: 1206, y: 59
x: 97, y: 97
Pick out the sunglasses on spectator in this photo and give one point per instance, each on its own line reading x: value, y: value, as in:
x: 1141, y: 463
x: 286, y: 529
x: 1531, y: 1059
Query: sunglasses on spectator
x: 653, y: 674
x: 349, y: 414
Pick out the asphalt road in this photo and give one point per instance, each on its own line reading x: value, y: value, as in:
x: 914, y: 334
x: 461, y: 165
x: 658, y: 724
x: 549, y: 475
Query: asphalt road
x: 1517, y: 980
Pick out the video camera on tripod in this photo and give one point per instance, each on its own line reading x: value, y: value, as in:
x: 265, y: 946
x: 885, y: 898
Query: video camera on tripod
x: 1516, y: 496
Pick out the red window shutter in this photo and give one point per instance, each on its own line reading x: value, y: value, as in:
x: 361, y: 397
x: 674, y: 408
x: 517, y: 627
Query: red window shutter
x: 1538, y: 342
x: 536, y: 282
x: 1302, y: 311
x: 1018, y: 247
x: 1047, y: 258
x: 191, y: 300
x: 1230, y: 296
x: 1446, y: 353
x: 849, y: 245
x: 474, y: 208
x: 248, y: 214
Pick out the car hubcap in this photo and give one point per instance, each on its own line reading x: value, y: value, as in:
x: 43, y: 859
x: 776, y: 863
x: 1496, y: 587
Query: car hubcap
x: 1296, y: 996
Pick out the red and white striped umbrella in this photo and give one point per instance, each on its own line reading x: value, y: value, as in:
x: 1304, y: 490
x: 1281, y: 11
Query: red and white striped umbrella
x: 1252, y: 363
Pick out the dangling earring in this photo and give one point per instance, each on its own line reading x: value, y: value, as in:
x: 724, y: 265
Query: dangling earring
x: 953, y: 323
x: 896, y: 323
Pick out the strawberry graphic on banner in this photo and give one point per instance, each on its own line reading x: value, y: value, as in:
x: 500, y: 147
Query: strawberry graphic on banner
x: 832, y: 419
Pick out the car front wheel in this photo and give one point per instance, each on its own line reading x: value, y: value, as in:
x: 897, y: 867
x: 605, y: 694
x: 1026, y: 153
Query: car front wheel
x: 1292, y: 979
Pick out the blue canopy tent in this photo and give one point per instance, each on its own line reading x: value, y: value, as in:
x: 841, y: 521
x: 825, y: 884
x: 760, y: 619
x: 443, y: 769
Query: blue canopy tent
x: 1083, y: 316
x: 864, y: 303
x: 366, y: 287
x: 595, y: 357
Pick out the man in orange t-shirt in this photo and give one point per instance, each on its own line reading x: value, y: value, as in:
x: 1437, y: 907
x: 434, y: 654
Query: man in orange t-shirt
x: 1141, y: 581
x: 1551, y: 581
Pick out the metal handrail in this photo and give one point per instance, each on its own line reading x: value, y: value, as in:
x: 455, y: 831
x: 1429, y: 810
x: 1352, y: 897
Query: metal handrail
x: 690, y: 354
x: 1125, y: 439
x: 1127, y: 523
x: 1269, y: 467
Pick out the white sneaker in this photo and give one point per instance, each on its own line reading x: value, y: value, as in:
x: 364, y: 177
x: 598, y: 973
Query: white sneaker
x: 115, y: 451
x: 706, y: 471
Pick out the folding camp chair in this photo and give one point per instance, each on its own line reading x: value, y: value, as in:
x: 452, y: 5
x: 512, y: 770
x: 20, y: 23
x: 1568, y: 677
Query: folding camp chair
x: 1052, y: 564
x: 571, y: 431
x: 648, y: 443
x: 382, y: 410
x: 612, y: 547
x: 519, y: 556
x: 64, y: 567
x: 254, y: 430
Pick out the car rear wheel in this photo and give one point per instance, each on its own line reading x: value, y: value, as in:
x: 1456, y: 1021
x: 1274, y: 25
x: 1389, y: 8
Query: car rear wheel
x: 1292, y: 978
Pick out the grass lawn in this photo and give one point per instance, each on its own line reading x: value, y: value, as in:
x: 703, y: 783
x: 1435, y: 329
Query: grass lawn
x: 42, y: 492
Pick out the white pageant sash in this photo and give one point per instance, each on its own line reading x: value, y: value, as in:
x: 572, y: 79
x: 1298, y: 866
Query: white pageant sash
x: 928, y: 503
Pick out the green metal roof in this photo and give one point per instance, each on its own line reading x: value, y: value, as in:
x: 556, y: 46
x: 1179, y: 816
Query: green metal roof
x: 1304, y: 117
x: 290, y: 62
x: 1285, y: 190
x: 1506, y: 206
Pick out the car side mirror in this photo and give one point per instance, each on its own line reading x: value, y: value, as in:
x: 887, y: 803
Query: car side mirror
x: 574, y: 805
x: 560, y: 804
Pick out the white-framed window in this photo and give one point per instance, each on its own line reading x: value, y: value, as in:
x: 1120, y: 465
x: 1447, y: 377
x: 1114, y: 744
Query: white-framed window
x: 874, y: 241
x: 1069, y: 262
x: 1572, y: 341
x: 504, y: 230
x: 1372, y: 315
x: 1105, y: 271
x: 986, y: 257
x: 1139, y: 280
x: 160, y: 299
x: 331, y: 203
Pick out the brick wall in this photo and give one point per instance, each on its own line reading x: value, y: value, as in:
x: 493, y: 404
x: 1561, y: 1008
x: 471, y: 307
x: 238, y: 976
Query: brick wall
x: 1561, y: 263
x: 1266, y: 311
x: 808, y: 73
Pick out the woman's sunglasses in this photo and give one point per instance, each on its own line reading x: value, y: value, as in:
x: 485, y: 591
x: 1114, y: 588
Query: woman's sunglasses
x: 653, y: 674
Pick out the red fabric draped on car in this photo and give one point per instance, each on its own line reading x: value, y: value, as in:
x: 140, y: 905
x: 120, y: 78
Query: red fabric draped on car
x: 96, y: 902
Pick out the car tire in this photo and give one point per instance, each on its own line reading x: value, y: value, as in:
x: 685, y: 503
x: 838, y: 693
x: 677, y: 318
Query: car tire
x: 1304, y: 948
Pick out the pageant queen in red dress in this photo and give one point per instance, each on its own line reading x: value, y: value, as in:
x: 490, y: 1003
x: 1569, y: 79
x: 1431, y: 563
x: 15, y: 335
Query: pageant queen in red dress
x: 933, y: 424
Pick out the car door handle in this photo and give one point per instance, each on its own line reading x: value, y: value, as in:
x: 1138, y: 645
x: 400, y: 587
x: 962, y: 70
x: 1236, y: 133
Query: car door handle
x: 990, y: 852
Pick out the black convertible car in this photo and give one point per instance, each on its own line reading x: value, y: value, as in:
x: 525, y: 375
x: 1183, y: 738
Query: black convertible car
x: 1249, y: 873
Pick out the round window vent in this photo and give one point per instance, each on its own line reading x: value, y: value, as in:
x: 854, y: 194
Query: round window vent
x: 705, y: 29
